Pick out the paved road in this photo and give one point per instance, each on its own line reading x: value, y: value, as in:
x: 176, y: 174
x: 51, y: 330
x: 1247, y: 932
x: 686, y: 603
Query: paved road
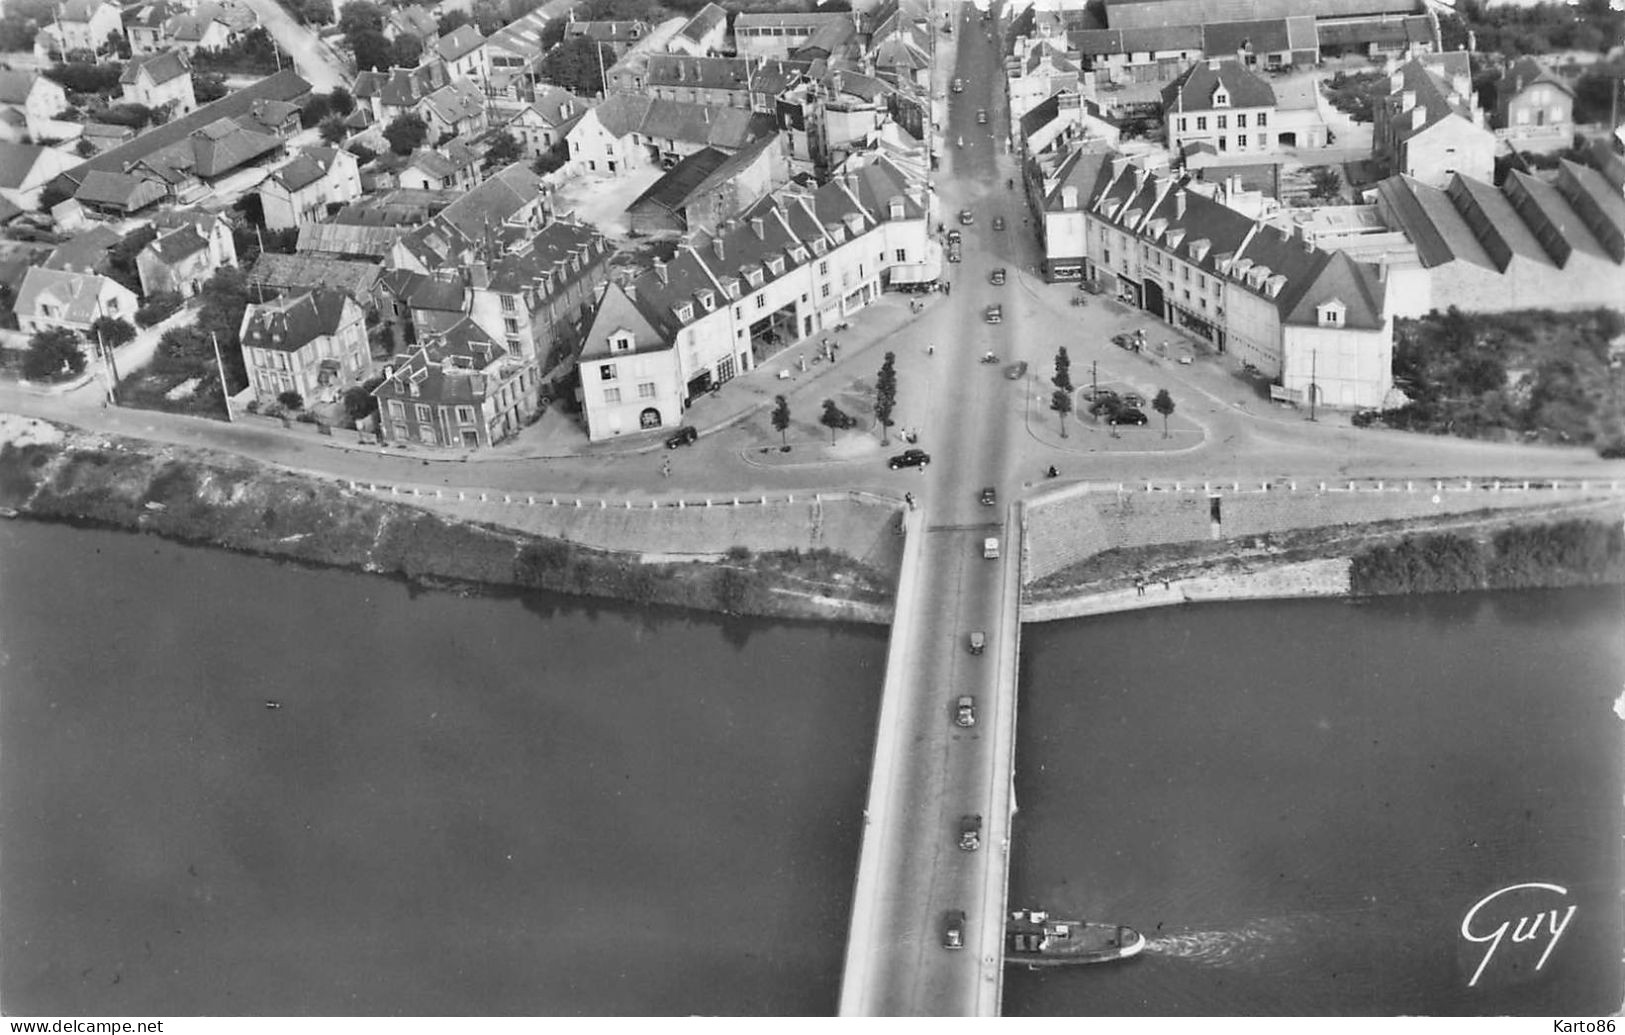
x: 321, y: 65
x: 936, y: 771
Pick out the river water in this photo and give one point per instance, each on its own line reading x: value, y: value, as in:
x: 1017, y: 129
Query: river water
x: 513, y: 804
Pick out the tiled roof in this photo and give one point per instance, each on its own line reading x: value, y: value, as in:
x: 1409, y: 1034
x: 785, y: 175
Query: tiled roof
x: 456, y: 101
x: 161, y: 67
x: 85, y: 252
x: 451, y: 370
x: 75, y: 294
x: 704, y: 21
x: 311, y: 165
x: 1125, y: 14
x: 1433, y: 96
x: 1259, y: 37
x: 800, y: 21
x: 458, y: 42
x: 618, y: 314
x: 704, y: 73
x: 497, y: 199
x: 550, y: 253
x: 1194, y: 90
x: 1431, y: 223
x: 300, y: 271
x: 1556, y: 225
x: 16, y: 86
x: 178, y: 244
x: 289, y: 323
x: 1085, y: 170
x: 284, y: 86
x: 17, y: 161
x: 359, y: 239
x: 119, y: 190
x: 673, y: 190
x: 1524, y: 73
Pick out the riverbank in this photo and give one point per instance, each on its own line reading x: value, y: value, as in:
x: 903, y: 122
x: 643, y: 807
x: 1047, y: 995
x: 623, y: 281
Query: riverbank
x: 49, y: 472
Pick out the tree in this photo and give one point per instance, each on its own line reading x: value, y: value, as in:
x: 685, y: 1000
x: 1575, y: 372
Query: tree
x: 577, y: 66
x: 1061, y: 402
x: 452, y: 20
x: 551, y: 159
x: 1063, y: 384
x: 341, y: 100
x: 359, y: 402
x: 53, y: 352
x: 208, y: 86
x: 781, y: 419
x: 116, y: 44
x: 361, y: 16
x: 885, y: 395
x: 834, y: 418
x: 316, y: 12
x: 121, y: 256
x: 158, y: 307
x: 316, y: 108
x: 1163, y: 404
x: 112, y: 331
x: 371, y: 50
x: 84, y: 77
x: 406, y: 51
x: 504, y: 150
x: 1325, y: 184
x: 333, y: 130
x: 225, y: 297
x: 406, y: 133
x: 53, y: 194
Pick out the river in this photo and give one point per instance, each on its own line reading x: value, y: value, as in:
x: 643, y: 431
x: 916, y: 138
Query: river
x: 529, y: 805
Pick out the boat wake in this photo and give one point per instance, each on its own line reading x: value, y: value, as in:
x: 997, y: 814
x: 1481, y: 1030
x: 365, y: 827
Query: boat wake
x: 1249, y: 943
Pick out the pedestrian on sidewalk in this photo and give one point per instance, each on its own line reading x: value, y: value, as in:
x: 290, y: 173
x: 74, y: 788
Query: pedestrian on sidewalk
x: 665, y: 468
x: 930, y: 350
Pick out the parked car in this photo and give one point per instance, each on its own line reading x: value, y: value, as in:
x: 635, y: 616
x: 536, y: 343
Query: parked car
x: 977, y: 642
x: 994, y: 314
x: 682, y: 437
x: 966, y: 217
x: 990, y: 495
x: 954, y: 253
x: 990, y: 547
x: 981, y: 116
x: 997, y: 276
x: 909, y: 458
x: 1106, y: 406
x: 998, y: 222
x: 959, y: 86
x: 1129, y: 415
x: 954, y: 236
x: 1133, y: 399
x: 1016, y: 371
x: 970, y: 833
x: 1097, y: 394
x: 953, y: 929
x: 965, y: 711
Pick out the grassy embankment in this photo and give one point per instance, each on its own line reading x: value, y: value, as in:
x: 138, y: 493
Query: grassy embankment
x: 207, y: 498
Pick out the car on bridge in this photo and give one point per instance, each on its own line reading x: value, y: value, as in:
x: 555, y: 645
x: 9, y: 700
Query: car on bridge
x: 970, y: 833
x: 909, y: 458
x: 966, y: 217
x: 953, y: 929
x: 965, y: 712
x: 994, y: 314
x: 997, y: 276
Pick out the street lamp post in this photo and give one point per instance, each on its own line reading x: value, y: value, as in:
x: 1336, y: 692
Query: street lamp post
x: 1314, y: 357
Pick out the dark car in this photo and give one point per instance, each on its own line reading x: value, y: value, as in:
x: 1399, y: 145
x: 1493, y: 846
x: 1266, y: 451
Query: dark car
x: 990, y: 496
x: 1129, y: 415
x: 966, y: 216
x: 1016, y: 371
x: 953, y: 929
x: 1097, y: 394
x: 965, y: 711
x: 909, y: 458
x: 994, y: 314
x: 970, y: 833
x: 682, y: 437
x: 997, y: 276
x: 1107, y: 406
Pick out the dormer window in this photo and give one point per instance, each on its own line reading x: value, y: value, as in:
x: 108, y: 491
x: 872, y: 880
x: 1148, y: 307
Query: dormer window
x: 1221, y: 99
x: 708, y: 299
x: 684, y: 311
x: 754, y: 276
x: 775, y: 266
x: 731, y: 286
x: 1331, y: 314
x: 818, y: 246
x: 620, y: 341
x: 1199, y: 249
x: 798, y: 254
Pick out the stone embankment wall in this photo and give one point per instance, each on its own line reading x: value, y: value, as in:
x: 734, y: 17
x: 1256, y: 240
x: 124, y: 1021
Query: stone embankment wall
x: 1074, y: 524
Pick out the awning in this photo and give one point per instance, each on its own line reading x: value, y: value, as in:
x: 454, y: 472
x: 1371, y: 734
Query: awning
x: 920, y: 272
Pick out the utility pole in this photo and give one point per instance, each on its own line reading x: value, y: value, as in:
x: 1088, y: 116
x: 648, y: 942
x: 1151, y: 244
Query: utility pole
x: 1313, y: 363
x: 1094, y: 379
x: 220, y: 367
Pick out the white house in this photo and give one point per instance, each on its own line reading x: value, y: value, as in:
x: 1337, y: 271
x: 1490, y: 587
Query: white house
x: 59, y: 298
x: 29, y: 105
x: 300, y: 191
x: 79, y: 25
x: 313, y: 343
x: 156, y: 80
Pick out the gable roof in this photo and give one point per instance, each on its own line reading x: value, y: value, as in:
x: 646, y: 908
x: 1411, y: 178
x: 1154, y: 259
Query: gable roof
x: 1524, y: 73
x: 311, y: 165
x: 674, y: 188
x: 160, y: 67
x: 458, y: 42
x: 299, y: 271
x: 77, y: 294
x: 17, y: 161
x: 119, y: 190
x: 618, y: 314
x: 284, y: 86
x: 704, y: 21
x: 1435, y: 97
x: 15, y: 86
x: 1195, y: 89
x: 176, y: 245
x: 449, y: 369
x: 289, y: 323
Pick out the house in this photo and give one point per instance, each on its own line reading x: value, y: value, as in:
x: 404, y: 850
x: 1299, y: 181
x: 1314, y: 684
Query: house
x: 461, y: 52
x: 1063, y: 187
x: 272, y: 104
x: 25, y: 169
x: 1062, y: 122
x: 454, y: 167
x: 542, y: 124
x: 454, y: 110
x: 1318, y: 322
x: 1534, y: 109
x: 533, y: 298
x: 118, y: 194
x: 1221, y: 105
x: 708, y: 187
x: 296, y: 273
x: 826, y: 118
x: 702, y: 34
x: 716, y: 82
x: 514, y: 51
x: 301, y: 191
x: 1534, y: 243
x: 104, y: 137
x: 457, y: 388
x: 79, y: 25
x: 29, y: 105
x: 161, y: 81
x: 57, y: 298
x: 211, y: 25
x: 313, y: 343
x: 348, y: 240
x: 786, y: 35
x: 144, y: 25
x: 618, y: 36
x: 411, y: 20
x: 1428, y: 127
x: 512, y: 202
x: 1040, y: 69
x: 182, y: 259
x: 398, y: 91
x: 792, y: 265
x: 86, y: 252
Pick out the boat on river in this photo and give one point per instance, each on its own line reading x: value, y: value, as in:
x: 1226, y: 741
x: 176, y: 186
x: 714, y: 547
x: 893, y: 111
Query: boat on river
x: 1034, y: 938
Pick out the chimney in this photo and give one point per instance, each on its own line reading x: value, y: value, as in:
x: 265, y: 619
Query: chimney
x: 716, y: 246
x: 1069, y: 197
x: 1407, y: 101
x: 660, y: 269
x: 1462, y: 85
x: 478, y: 277
x: 759, y: 226
x: 1213, y: 64
x: 1179, y: 203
